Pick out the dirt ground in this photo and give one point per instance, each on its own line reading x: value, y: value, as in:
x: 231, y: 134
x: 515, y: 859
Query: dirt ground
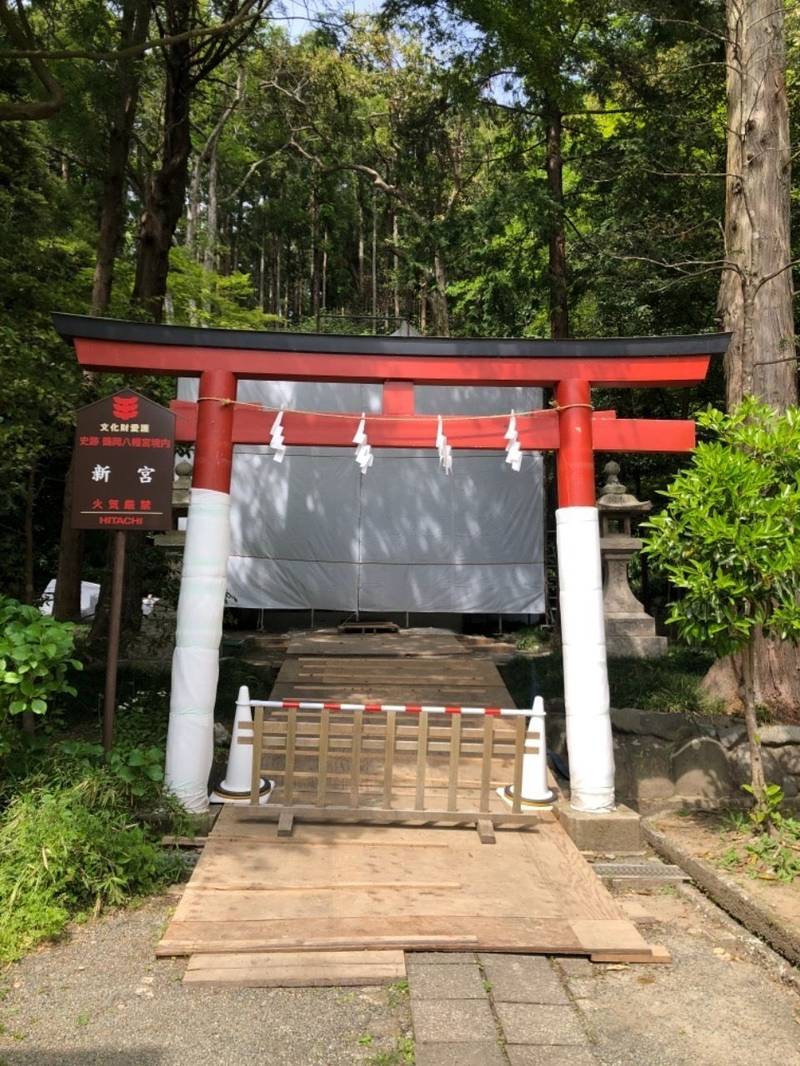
x: 705, y: 836
x: 102, y: 999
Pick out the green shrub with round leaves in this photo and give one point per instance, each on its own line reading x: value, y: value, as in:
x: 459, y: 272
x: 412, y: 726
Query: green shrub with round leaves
x: 36, y: 656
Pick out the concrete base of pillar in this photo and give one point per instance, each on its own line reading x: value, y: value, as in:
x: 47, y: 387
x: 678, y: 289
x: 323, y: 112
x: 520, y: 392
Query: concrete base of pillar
x: 616, y: 832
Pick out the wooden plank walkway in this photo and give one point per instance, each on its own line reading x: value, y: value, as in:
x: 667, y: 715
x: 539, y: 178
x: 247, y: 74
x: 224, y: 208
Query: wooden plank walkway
x: 367, y: 889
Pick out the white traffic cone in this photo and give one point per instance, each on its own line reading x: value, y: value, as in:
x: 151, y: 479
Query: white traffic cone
x: 535, y: 791
x: 235, y: 786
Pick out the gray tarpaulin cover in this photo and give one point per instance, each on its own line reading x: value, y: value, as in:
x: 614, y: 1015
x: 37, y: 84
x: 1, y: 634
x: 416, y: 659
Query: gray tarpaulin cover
x: 313, y: 532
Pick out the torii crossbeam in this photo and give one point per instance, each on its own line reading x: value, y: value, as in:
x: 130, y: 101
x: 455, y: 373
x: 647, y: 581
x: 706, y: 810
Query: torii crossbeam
x: 221, y: 358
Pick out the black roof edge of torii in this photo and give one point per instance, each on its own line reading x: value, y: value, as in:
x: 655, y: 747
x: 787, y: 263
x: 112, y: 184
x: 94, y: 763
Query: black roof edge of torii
x: 110, y: 329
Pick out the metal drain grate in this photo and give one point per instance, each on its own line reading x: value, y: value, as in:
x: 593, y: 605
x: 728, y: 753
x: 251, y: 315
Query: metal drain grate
x: 651, y: 871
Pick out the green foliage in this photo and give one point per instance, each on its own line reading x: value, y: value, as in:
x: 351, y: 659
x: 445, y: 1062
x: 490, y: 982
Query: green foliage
x: 402, y: 1054
x: 729, y: 538
x: 67, y: 850
x: 668, y: 684
x: 769, y: 811
x: 530, y: 638
x: 206, y: 298
x: 771, y: 846
x: 35, y: 659
x: 138, y: 770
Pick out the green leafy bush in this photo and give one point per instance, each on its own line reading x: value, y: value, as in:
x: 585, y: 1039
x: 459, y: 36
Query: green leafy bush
x: 729, y: 542
x: 36, y: 654
x: 67, y: 851
x: 139, y: 770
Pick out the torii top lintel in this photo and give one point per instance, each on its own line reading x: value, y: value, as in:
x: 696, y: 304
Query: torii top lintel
x: 619, y: 362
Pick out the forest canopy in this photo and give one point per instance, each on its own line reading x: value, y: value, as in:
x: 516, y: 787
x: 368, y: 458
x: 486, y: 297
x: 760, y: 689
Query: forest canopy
x: 470, y: 168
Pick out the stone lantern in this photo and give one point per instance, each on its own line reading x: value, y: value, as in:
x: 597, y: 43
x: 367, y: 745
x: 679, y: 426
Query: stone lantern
x: 630, y: 631
x: 174, y: 539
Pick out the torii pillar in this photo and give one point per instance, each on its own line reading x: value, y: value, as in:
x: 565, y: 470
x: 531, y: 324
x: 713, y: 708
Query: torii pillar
x: 580, y: 581
x: 201, y: 602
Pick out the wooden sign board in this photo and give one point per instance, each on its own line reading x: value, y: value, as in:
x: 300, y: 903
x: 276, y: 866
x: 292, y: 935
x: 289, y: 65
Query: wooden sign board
x: 123, y: 466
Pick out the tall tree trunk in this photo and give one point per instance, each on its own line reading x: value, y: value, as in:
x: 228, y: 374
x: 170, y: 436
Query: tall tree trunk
x: 441, y: 313
x: 134, y: 23
x: 360, y: 254
x: 165, y: 190
x: 67, y: 600
x: 133, y: 31
x: 211, y: 250
x: 396, y: 265
x: 374, y: 263
x: 315, y: 258
x: 262, y: 265
x: 559, y: 306
x: 28, y: 717
x: 277, y: 305
x: 28, y: 568
x: 755, y: 296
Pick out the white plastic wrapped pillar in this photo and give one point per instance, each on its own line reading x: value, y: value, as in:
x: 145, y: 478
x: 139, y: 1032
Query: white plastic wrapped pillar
x: 589, y: 740
x: 195, y: 663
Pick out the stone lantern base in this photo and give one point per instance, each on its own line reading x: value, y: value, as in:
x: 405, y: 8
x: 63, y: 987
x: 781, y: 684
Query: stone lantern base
x: 633, y: 636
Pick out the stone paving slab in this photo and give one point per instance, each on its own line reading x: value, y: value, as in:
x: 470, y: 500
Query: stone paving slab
x: 439, y: 958
x: 447, y: 1021
x: 529, y: 1055
x: 525, y: 1023
x: 577, y: 966
x: 523, y: 979
x: 481, y: 1053
x: 446, y: 982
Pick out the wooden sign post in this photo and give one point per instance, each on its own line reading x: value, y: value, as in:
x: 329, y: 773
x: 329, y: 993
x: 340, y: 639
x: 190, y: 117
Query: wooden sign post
x: 123, y: 471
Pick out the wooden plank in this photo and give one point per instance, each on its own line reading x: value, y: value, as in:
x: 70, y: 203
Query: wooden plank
x: 322, y: 766
x: 486, y: 831
x: 422, y: 757
x: 455, y: 759
x: 582, y: 894
x: 285, y: 823
x: 414, y: 933
x: 197, y: 942
x: 372, y: 644
x: 320, y: 886
x: 355, y: 769
x: 380, y: 816
x: 288, y: 781
x: 388, y: 758
x: 307, y: 969
x: 255, y: 766
x: 486, y: 765
x: 519, y: 755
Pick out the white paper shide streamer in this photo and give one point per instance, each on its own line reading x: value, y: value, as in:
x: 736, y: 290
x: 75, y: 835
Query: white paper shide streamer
x: 513, y: 450
x: 364, y: 454
x: 276, y: 440
x: 444, y: 449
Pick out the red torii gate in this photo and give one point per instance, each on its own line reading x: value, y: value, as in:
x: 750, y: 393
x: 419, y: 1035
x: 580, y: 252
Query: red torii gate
x: 220, y: 358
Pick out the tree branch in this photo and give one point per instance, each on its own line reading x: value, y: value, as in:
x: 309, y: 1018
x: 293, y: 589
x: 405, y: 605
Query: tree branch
x: 18, y: 31
x: 251, y: 9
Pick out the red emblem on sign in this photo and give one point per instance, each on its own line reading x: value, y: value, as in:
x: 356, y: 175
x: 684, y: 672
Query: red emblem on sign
x: 125, y: 407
